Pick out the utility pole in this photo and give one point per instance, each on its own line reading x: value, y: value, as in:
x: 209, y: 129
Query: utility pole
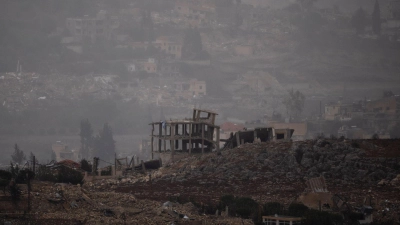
x: 28, y: 177
x: 115, y: 163
x: 34, y: 165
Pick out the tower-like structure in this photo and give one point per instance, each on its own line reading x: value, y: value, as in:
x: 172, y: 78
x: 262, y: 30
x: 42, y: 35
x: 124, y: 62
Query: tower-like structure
x: 197, y: 134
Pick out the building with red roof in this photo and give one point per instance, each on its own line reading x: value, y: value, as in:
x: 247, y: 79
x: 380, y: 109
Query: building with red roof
x: 69, y: 163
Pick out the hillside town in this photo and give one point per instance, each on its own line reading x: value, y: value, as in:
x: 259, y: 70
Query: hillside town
x: 240, y: 59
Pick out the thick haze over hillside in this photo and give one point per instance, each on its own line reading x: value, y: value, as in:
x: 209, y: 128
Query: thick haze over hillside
x: 129, y: 63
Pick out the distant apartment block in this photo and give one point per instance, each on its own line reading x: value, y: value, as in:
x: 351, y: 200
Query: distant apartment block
x: 387, y: 105
x: 343, y: 112
x: 190, y: 88
x: 170, y: 45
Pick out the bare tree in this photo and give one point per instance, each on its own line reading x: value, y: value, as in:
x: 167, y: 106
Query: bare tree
x: 294, y: 103
x: 18, y: 156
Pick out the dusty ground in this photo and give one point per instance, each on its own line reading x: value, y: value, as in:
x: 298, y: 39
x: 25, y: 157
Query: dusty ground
x: 72, y: 204
x: 364, y: 172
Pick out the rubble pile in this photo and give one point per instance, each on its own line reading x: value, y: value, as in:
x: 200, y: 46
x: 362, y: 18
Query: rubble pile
x: 277, y: 171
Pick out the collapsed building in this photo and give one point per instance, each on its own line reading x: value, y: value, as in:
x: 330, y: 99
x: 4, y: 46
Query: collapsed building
x: 194, y: 135
x: 258, y: 134
x: 199, y: 134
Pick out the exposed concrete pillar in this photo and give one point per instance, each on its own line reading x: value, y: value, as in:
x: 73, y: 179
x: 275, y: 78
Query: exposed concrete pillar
x: 165, y: 136
x: 217, y: 140
x: 273, y: 134
x: 159, y: 137
x: 238, y: 138
x: 190, y: 138
x: 113, y: 171
x: 194, y: 115
x: 202, y: 138
x: 172, y: 142
x: 152, y: 140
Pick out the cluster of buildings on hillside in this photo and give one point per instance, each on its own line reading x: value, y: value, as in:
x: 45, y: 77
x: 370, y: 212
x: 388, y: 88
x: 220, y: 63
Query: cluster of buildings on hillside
x: 248, y: 15
x: 159, y: 80
x: 391, y: 23
x: 360, y: 120
x: 377, y: 117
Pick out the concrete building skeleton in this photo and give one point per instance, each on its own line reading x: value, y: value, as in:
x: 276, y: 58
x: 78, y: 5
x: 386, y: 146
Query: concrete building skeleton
x: 188, y: 135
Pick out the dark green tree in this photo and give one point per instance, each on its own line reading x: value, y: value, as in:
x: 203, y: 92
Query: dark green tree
x: 18, y: 156
x: 105, y: 143
x: 272, y: 208
x: 297, y: 209
x: 242, y: 206
x: 376, y: 19
x: 246, y: 207
x: 294, y: 103
x: 86, y: 134
x: 358, y: 21
x: 86, y: 166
